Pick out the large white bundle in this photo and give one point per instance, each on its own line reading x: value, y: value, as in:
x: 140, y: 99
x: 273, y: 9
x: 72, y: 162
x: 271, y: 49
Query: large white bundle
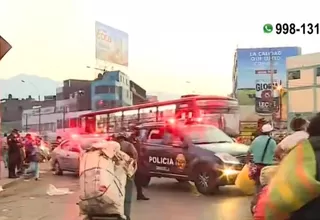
x: 267, y: 173
x: 103, y: 176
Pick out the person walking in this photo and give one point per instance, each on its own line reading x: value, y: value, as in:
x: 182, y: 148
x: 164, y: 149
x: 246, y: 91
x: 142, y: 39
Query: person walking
x: 4, y: 150
x: 129, y: 149
x: 299, y: 126
x: 34, y: 158
x: 299, y: 176
x: 14, y: 155
x: 263, y: 150
x: 138, y: 178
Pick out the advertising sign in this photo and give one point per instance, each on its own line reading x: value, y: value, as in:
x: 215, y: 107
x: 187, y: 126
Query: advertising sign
x: 260, y: 71
x: 111, y: 44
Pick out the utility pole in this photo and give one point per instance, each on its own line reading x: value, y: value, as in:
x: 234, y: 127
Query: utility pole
x: 271, y: 101
x: 26, y: 122
x: 63, y: 117
x: 39, y: 121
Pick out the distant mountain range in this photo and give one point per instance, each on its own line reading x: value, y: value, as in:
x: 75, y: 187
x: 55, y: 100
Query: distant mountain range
x: 23, y: 85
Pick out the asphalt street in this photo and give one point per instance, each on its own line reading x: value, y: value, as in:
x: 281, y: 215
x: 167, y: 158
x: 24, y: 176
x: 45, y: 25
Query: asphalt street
x: 28, y: 200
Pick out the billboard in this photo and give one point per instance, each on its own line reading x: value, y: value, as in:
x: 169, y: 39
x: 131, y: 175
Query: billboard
x: 111, y: 44
x: 255, y: 83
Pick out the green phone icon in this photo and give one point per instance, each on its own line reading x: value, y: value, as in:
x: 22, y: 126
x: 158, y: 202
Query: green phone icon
x: 267, y: 28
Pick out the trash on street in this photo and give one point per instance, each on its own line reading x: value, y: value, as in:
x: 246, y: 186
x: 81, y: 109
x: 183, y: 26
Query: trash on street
x: 53, y: 191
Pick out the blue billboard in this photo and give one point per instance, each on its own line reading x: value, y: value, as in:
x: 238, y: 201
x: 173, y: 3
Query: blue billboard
x: 255, y: 83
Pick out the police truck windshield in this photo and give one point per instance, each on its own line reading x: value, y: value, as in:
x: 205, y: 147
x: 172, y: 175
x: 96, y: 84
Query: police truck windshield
x: 202, y: 134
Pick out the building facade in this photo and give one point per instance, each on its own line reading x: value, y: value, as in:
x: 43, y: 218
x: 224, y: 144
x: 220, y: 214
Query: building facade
x: 139, y: 94
x: 12, y: 110
x: 303, y: 85
x: 110, y: 90
x: 77, y: 90
x: 48, y: 119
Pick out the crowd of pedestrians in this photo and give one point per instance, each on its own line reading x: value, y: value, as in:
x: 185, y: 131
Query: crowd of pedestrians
x: 292, y: 191
x: 21, y: 155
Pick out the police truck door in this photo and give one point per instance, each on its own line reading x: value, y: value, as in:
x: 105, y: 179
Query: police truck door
x: 153, y: 153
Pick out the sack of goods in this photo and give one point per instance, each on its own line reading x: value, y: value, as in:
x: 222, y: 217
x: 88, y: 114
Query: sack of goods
x: 244, y: 183
x: 104, y: 170
x: 267, y: 173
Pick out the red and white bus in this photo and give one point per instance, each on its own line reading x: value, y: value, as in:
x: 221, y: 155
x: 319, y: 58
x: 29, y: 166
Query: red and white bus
x: 220, y: 111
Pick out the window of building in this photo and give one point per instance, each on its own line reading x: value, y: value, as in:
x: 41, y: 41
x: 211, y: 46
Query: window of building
x: 113, y: 103
x: 318, y: 71
x: 294, y: 75
x: 104, y: 89
x: 128, y: 94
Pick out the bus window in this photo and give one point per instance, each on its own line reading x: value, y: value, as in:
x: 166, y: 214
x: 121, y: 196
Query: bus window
x: 148, y: 114
x: 166, y: 111
x: 130, y: 117
x: 90, y: 124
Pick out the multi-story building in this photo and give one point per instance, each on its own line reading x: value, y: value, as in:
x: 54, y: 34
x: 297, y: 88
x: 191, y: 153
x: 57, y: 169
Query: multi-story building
x: 12, y: 108
x: 79, y: 91
x: 303, y: 85
x: 111, y: 89
x: 139, y: 94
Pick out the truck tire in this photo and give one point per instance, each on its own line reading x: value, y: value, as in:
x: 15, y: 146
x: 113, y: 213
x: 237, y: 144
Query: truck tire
x: 205, y: 180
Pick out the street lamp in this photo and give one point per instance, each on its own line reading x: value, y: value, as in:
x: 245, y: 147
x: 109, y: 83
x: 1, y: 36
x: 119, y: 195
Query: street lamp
x: 34, y: 86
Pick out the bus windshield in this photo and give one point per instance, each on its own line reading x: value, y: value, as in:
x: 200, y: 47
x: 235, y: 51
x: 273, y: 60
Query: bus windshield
x: 201, y: 134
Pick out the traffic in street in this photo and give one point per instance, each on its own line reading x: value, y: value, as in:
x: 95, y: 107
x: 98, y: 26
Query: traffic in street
x: 169, y: 199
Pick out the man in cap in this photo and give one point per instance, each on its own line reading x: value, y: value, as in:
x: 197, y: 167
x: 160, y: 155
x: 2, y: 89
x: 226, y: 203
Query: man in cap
x: 139, y: 174
x: 263, y: 151
x: 14, y: 153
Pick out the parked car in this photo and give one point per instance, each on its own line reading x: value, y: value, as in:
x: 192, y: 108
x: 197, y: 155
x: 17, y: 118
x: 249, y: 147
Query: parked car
x: 65, y: 157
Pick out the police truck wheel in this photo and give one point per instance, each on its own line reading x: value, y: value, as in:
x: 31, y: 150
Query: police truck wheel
x: 57, y: 169
x: 205, y: 180
x: 145, y: 180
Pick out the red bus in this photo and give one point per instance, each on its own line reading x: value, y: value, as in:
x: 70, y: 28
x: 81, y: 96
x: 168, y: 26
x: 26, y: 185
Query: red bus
x: 220, y: 111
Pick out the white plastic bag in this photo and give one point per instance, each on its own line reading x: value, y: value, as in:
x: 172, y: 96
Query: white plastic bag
x: 53, y: 191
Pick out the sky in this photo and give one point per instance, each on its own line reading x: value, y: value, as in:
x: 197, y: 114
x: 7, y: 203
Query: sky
x: 170, y: 42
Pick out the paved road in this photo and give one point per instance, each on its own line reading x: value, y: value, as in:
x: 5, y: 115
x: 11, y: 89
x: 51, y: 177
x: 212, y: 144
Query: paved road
x: 169, y: 200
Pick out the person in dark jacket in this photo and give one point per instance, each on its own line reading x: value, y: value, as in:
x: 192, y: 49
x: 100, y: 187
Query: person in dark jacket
x: 139, y: 174
x: 129, y: 149
x: 14, y: 154
x: 34, y: 159
x: 310, y: 211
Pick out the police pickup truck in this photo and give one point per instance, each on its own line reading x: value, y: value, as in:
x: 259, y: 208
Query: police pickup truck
x: 190, y: 152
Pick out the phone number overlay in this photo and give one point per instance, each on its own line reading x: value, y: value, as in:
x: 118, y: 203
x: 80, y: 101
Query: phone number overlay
x: 292, y: 28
